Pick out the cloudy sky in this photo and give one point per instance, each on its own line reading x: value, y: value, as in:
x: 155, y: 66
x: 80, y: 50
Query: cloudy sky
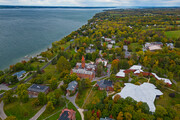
x: 92, y: 2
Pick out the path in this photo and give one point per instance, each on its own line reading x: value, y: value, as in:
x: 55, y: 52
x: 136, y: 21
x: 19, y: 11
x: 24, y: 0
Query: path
x: 88, y: 95
x: 72, y: 100
x: 2, y: 114
x: 60, y: 84
x: 35, y: 117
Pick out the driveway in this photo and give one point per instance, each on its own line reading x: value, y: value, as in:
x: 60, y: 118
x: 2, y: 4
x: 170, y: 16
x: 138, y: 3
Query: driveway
x: 2, y: 114
x: 72, y: 100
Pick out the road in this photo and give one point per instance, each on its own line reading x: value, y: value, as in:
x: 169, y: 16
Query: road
x: 2, y: 114
x: 36, y: 116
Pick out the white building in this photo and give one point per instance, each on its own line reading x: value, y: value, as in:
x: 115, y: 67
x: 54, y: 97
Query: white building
x: 146, y: 92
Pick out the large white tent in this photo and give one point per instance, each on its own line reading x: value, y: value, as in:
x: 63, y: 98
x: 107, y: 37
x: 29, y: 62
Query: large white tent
x: 146, y: 92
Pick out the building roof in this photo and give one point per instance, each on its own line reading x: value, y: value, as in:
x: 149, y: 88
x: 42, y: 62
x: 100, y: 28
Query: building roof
x: 66, y: 114
x: 82, y: 71
x: 106, y: 118
x: 121, y: 73
x: 109, y: 46
x: 164, y: 79
x: 72, y: 85
x: 136, y: 67
x: 19, y: 74
x: 38, y: 88
x: 98, y: 60
x: 104, y: 83
x: 154, y: 47
x: 146, y: 92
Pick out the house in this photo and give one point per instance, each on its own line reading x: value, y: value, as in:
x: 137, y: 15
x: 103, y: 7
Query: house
x: 146, y: 92
x: 105, y: 85
x: 109, y: 46
x: 102, y: 60
x: 153, y: 46
x: 35, y: 89
x: 170, y: 45
x: 84, y: 70
x: 137, y: 70
x: 108, y: 39
x: 106, y: 118
x: 67, y: 114
x: 167, y: 81
x: 113, y: 42
x: 19, y: 74
x: 90, y: 50
x: 72, y: 86
x: 121, y: 74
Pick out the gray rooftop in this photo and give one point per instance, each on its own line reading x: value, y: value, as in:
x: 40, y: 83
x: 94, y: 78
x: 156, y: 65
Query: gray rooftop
x: 72, y: 85
x: 104, y: 83
x: 38, y: 88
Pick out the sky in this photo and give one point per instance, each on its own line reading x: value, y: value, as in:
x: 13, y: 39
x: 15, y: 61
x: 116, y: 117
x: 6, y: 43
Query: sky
x: 92, y: 2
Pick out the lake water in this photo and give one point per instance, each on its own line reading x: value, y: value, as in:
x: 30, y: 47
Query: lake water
x: 28, y: 31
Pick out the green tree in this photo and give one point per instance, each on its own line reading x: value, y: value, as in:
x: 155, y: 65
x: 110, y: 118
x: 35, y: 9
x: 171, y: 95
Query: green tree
x: 50, y: 106
x: 42, y: 98
x: 11, y: 118
x: 160, y: 111
x: 53, y: 83
x: 120, y: 116
x: 127, y: 116
x: 22, y: 93
x: 8, y: 97
x: 63, y: 64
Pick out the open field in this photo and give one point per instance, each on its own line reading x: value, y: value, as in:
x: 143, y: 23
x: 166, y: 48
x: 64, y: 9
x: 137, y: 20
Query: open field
x: 80, y: 100
x: 94, y: 97
x: 173, y: 34
x: 57, y: 112
x: 22, y: 111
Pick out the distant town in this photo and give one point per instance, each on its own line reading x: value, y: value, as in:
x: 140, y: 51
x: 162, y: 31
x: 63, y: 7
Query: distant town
x: 124, y: 64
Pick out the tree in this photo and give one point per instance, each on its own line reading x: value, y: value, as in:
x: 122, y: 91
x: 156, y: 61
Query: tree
x: 8, y: 97
x: 42, y: 98
x: 63, y: 64
x: 160, y: 111
x: 22, y: 93
x: 53, y: 83
x: 11, y: 118
x: 39, y: 70
x: 120, y: 116
x: 116, y: 98
x: 127, y: 116
x: 50, y: 106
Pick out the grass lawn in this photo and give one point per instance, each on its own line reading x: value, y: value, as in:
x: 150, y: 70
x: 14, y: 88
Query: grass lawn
x: 134, y: 46
x: 35, y: 64
x: 52, y: 70
x: 94, y: 97
x: 22, y: 111
x: 79, y: 101
x: 47, y: 114
x: 57, y: 112
x: 173, y: 34
x: 167, y: 101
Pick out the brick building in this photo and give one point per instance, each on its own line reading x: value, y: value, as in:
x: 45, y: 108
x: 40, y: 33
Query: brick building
x: 67, y: 114
x: 84, y: 70
x: 35, y: 89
